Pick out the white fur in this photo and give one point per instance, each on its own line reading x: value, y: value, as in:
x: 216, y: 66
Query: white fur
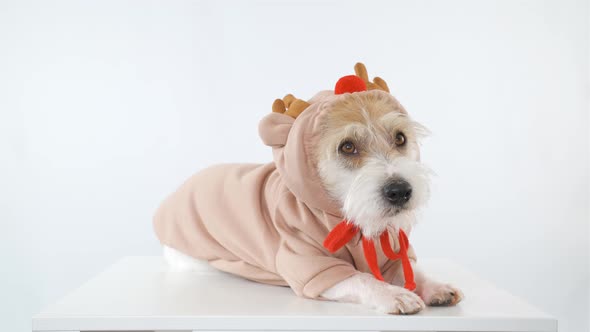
x: 435, y: 293
x: 360, y: 191
x: 178, y: 261
x: 364, y: 289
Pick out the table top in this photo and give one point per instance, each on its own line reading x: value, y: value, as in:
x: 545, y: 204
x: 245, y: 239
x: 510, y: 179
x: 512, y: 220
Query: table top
x: 142, y: 293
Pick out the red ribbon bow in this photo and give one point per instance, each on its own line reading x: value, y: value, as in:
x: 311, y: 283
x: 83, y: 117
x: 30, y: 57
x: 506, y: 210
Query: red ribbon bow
x: 345, y: 231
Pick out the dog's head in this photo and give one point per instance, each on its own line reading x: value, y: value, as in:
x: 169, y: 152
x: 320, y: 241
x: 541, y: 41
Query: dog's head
x: 368, y: 159
x: 362, y: 148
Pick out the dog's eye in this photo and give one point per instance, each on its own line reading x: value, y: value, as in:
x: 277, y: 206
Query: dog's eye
x: 348, y: 147
x: 400, y: 139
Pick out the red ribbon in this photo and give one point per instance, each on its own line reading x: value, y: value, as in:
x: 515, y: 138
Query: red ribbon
x: 345, y: 231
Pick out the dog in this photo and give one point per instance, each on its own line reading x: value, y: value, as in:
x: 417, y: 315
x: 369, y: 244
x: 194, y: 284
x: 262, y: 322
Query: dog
x: 346, y: 157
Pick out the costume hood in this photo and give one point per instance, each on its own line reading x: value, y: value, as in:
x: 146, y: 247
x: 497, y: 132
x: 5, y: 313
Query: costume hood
x: 292, y: 141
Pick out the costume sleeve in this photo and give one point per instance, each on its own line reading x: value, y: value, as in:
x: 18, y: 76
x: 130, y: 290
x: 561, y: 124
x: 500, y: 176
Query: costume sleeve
x: 301, y: 260
x: 308, y: 271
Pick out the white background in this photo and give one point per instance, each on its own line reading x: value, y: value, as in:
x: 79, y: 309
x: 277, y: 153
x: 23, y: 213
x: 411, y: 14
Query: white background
x: 107, y: 106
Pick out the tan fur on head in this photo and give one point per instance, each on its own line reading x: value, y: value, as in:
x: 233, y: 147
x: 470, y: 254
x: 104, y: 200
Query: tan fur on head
x: 372, y: 119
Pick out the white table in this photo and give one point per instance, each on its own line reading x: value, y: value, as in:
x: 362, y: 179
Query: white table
x: 141, y: 293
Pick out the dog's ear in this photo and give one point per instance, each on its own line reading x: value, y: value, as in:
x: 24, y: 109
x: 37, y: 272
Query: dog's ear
x: 377, y: 84
x: 290, y: 106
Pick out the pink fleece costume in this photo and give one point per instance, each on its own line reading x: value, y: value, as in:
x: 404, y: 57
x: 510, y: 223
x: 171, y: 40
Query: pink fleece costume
x: 267, y: 222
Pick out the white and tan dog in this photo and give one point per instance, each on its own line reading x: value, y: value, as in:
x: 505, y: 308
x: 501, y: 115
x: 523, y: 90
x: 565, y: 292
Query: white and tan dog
x: 352, y: 156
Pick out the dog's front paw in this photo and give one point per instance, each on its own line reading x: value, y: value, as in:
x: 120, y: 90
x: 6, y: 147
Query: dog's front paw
x: 399, y: 301
x: 436, y: 294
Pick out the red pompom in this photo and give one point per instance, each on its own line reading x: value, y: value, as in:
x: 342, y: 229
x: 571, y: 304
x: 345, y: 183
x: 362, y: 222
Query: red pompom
x: 350, y: 83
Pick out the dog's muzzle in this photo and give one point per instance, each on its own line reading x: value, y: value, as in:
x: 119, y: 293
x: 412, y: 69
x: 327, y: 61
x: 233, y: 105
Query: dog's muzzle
x: 397, y: 192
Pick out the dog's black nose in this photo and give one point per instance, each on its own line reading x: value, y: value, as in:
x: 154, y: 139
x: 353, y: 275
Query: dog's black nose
x: 397, y: 192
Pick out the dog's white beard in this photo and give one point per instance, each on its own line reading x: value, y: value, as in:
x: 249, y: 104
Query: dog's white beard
x: 361, y: 195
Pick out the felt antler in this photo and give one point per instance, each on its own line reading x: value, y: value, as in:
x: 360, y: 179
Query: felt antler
x: 289, y: 105
x: 359, y: 82
x: 292, y: 106
x: 377, y: 84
